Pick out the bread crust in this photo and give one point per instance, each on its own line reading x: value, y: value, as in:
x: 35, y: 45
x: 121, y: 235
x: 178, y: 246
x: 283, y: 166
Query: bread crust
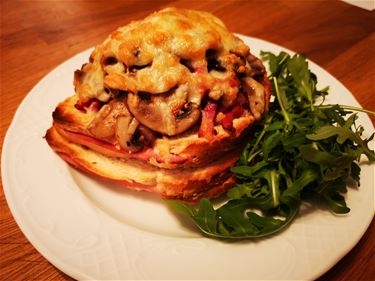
x: 189, y: 184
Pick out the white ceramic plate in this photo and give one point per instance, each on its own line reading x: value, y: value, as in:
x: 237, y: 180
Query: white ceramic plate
x: 93, y: 230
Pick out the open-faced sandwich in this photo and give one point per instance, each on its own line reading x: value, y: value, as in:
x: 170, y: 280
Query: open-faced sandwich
x: 163, y: 105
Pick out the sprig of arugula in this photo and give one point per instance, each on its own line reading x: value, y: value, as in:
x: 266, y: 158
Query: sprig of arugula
x: 300, y: 149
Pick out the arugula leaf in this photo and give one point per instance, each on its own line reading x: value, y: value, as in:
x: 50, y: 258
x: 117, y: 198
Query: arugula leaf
x: 311, y: 154
x: 298, y: 68
x: 334, y: 199
x: 301, y: 148
x: 276, y: 63
x: 248, y: 171
x: 270, y: 143
x: 236, y: 219
x: 307, y: 177
x: 343, y: 134
x: 206, y: 216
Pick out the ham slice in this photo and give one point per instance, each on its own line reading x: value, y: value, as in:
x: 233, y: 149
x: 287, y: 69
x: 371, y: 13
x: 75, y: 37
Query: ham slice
x: 111, y: 150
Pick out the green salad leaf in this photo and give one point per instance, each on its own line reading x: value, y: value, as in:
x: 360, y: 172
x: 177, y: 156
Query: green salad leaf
x: 300, y: 149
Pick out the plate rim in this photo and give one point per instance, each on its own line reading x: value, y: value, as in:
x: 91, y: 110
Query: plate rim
x: 44, y: 251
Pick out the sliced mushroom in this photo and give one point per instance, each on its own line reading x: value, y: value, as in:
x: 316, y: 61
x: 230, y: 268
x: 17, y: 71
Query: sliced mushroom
x: 168, y: 114
x: 125, y: 128
x: 109, y: 60
x: 187, y: 116
x: 255, y: 93
x: 135, y: 68
x: 188, y: 64
x: 255, y: 62
x: 147, y: 137
x: 213, y: 62
x: 131, y: 136
x: 104, y: 124
x: 110, y: 64
x: 257, y: 70
x: 103, y: 95
x: 240, y: 50
x: 232, y: 62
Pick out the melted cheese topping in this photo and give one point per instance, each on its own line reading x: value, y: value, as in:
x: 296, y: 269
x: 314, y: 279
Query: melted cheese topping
x: 170, y: 52
x: 157, y: 45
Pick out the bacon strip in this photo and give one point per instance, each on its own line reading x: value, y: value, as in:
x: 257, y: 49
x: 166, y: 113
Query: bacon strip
x: 206, y: 129
x: 235, y: 112
x: 92, y: 104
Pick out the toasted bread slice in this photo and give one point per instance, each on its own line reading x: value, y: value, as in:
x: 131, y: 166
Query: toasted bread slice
x: 184, y: 151
x: 188, y: 184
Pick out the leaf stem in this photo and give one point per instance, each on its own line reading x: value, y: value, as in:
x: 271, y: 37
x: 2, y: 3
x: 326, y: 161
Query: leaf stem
x: 283, y: 59
x: 347, y: 107
x: 285, y: 114
x: 255, y: 145
x: 261, y: 135
x: 275, y: 188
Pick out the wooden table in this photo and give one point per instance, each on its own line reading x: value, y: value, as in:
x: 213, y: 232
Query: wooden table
x: 36, y: 36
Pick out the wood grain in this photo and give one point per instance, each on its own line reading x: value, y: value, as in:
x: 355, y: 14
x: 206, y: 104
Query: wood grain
x: 36, y: 36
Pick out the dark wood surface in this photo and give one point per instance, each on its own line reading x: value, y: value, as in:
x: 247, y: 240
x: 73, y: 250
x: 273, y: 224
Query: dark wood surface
x: 36, y: 36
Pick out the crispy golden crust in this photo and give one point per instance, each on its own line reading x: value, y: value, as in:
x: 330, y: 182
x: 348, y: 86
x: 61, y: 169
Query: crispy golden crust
x: 183, y: 184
